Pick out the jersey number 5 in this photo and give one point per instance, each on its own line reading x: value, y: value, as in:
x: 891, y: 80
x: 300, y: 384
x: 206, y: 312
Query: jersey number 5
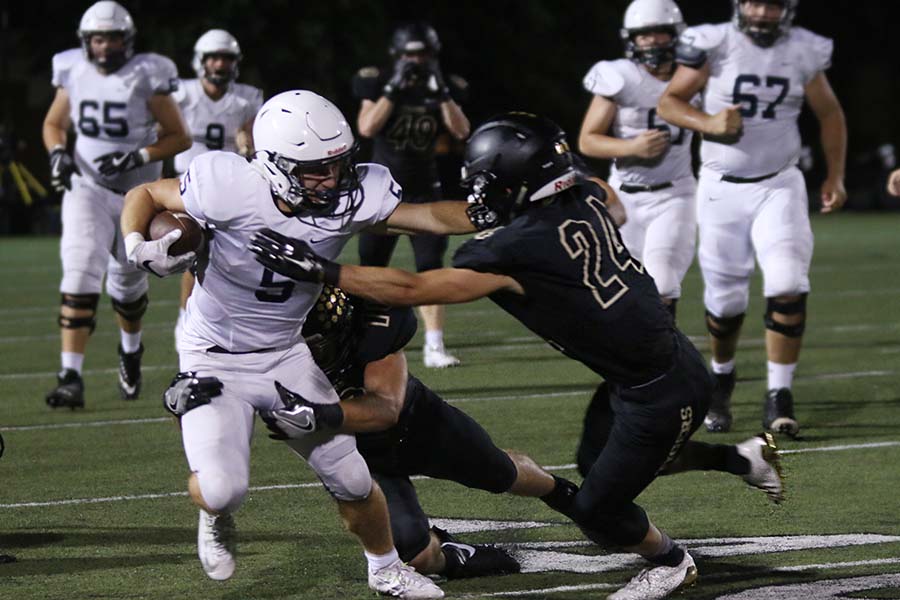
x: 583, y: 242
x: 274, y: 291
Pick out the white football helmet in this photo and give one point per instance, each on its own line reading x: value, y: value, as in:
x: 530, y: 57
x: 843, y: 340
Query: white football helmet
x: 216, y: 41
x: 762, y: 33
x: 299, y: 133
x: 107, y: 16
x: 649, y: 15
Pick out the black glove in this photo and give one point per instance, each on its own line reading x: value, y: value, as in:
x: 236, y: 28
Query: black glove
x: 187, y: 391
x: 118, y: 162
x: 299, y: 417
x: 403, y: 72
x: 482, y: 217
x: 62, y: 166
x: 292, y: 258
x: 436, y: 81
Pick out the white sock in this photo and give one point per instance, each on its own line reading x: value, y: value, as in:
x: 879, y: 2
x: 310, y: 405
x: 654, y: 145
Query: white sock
x: 380, y: 561
x: 780, y: 376
x: 131, y: 342
x: 722, y: 368
x: 72, y: 360
x: 434, y: 339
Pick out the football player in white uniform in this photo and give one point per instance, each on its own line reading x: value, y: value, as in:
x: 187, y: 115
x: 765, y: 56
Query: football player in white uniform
x: 756, y: 72
x: 219, y: 113
x: 242, y: 328
x: 652, y: 160
x: 116, y: 100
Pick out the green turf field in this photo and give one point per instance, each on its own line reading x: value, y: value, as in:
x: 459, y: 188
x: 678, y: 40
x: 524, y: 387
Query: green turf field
x: 92, y: 502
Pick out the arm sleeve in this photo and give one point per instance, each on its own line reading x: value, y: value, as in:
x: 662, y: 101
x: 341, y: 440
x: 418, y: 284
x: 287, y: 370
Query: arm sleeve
x: 604, y: 80
x: 367, y: 84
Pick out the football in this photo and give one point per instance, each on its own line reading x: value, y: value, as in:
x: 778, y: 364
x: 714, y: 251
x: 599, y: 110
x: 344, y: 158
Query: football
x: 191, y: 239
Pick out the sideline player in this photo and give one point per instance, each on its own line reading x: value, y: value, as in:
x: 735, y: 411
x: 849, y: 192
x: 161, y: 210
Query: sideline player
x: 115, y: 100
x: 651, y: 170
x: 403, y: 429
x: 559, y: 266
x: 404, y: 111
x: 755, y: 73
x: 242, y: 322
x: 219, y: 113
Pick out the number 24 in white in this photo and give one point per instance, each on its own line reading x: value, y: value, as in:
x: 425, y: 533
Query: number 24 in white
x: 582, y: 241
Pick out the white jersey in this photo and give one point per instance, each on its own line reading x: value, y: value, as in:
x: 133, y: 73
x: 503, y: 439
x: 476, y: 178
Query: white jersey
x: 214, y: 123
x: 238, y: 304
x: 110, y: 112
x: 769, y: 84
x: 636, y: 94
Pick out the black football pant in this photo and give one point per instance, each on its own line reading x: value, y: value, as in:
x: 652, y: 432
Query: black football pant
x: 635, y: 433
x: 438, y: 440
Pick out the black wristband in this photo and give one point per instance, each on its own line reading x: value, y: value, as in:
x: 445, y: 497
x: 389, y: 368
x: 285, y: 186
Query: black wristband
x: 330, y: 415
x: 331, y: 272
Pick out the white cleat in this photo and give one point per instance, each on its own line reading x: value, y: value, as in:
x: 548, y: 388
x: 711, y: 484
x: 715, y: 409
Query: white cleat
x: 765, y: 465
x: 216, y: 545
x: 402, y: 581
x: 436, y: 357
x: 658, y: 582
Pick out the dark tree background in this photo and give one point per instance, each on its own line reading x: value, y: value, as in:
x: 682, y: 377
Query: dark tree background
x: 517, y: 54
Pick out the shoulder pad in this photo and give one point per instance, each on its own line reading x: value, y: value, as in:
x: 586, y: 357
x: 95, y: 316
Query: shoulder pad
x: 62, y: 65
x: 161, y: 72
x: 690, y: 56
x: 605, y: 79
x: 818, y: 49
x: 368, y: 72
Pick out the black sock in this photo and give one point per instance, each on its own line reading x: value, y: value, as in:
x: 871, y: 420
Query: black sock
x: 670, y: 556
x: 562, y: 497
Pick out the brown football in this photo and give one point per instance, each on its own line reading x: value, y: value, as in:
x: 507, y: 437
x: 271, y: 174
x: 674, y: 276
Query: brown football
x: 191, y: 238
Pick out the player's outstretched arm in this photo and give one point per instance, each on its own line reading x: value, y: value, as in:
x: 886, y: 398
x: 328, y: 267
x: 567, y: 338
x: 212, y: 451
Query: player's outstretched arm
x: 379, y: 407
x: 833, y: 125
x: 440, y: 218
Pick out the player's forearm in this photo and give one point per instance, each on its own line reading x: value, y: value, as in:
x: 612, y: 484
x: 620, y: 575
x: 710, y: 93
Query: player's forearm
x: 138, y: 211
x: 371, y: 119
x: 447, y: 217
x: 681, y: 113
x: 168, y: 145
x: 597, y: 145
x: 53, y: 136
x: 834, y: 142
x: 369, y: 412
x: 393, y: 287
x: 455, y: 119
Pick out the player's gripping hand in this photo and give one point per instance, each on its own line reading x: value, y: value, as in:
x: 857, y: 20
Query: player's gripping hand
x: 62, y: 167
x: 292, y: 258
x: 114, y: 163
x: 728, y: 122
x: 436, y: 81
x: 296, y: 419
x: 481, y: 216
x: 187, y: 391
x: 400, y: 78
x: 153, y: 257
x: 650, y: 143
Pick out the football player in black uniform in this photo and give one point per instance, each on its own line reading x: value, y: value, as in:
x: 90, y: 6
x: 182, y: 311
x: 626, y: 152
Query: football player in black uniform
x: 559, y: 266
x: 403, y: 109
x: 403, y: 429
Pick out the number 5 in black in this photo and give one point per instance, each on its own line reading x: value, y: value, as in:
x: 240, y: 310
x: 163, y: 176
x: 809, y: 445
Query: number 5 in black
x: 274, y: 291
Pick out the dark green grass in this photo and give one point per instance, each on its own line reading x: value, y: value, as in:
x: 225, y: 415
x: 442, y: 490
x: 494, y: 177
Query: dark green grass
x: 529, y: 398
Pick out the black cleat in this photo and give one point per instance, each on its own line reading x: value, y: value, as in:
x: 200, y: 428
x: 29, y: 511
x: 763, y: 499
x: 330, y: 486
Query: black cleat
x: 130, y: 373
x: 718, y: 417
x: 473, y: 560
x: 69, y: 390
x: 778, y: 414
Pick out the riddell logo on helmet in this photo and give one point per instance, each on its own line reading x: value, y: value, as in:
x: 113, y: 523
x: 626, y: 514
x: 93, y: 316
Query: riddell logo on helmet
x: 337, y: 150
x: 564, y: 184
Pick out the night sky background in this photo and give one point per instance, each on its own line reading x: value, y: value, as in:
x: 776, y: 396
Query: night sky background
x: 524, y: 54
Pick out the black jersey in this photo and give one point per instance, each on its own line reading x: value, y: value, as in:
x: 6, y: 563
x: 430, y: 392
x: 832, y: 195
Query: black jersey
x: 406, y: 142
x: 584, y: 293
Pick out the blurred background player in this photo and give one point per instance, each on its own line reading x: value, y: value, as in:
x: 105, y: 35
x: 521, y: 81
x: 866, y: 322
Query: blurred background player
x: 755, y: 73
x: 651, y: 169
x: 403, y: 110
x: 120, y: 106
x: 219, y: 113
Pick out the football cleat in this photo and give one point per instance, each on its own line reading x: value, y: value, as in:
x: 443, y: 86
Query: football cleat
x: 473, y: 560
x: 778, y: 414
x: 718, y: 417
x: 402, y: 581
x: 216, y: 545
x: 765, y: 465
x: 69, y: 390
x: 437, y: 357
x: 659, y: 582
x: 130, y: 373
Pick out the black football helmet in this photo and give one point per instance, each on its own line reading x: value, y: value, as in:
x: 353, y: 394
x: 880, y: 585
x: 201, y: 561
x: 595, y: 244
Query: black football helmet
x: 411, y: 38
x: 328, y: 330
x: 515, y: 159
x: 765, y: 33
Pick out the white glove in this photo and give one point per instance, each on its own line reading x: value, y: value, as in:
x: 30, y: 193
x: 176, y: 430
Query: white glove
x: 153, y: 257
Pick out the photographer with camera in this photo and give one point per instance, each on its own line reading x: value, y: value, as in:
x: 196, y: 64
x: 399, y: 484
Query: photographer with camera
x: 403, y: 110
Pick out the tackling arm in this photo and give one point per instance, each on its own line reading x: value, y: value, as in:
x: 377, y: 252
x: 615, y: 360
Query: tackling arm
x: 439, y: 218
x: 833, y: 126
x: 385, y: 391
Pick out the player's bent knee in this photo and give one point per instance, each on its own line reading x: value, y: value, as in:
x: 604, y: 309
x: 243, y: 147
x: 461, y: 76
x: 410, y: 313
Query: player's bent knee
x: 346, y: 478
x: 221, y: 491
x: 723, y: 327
x: 786, y: 315
x: 132, y: 310
x: 615, y: 528
x: 411, y: 535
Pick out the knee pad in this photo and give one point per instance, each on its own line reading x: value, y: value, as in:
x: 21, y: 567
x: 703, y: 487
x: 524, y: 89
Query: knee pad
x: 346, y: 478
x: 621, y: 529
x: 723, y: 327
x: 80, y: 302
x: 131, y: 311
x: 221, y: 491
x: 795, y: 307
